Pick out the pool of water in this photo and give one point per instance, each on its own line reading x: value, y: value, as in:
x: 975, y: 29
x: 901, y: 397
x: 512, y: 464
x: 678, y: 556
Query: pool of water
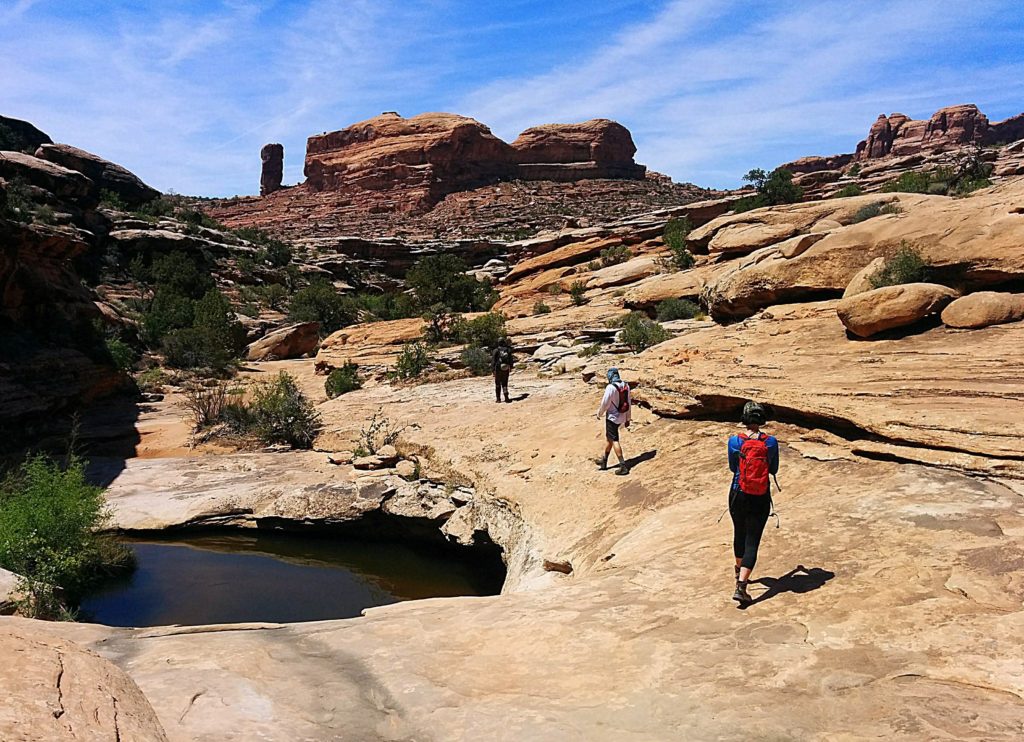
x: 236, y: 578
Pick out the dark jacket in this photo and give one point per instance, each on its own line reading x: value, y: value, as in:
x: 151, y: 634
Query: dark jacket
x: 496, y: 358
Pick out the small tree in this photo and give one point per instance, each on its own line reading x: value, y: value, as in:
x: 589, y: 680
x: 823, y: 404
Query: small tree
x: 412, y: 361
x: 441, y: 279
x: 639, y: 332
x: 905, y: 266
x: 672, y: 309
x: 578, y: 293
x: 320, y: 302
x: 484, y: 331
x: 280, y: 413
x: 675, y: 233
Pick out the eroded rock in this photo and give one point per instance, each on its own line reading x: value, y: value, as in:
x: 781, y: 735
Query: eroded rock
x: 291, y: 341
x: 887, y: 308
x: 983, y: 309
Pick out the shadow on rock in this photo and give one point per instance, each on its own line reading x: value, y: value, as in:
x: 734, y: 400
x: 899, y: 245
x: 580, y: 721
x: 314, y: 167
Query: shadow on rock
x: 637, y: 460
x: 800, y: 579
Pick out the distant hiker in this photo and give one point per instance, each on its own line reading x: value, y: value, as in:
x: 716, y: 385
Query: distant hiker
x: 616, y: 408
x: 502, y: 361
x: 753, y: 456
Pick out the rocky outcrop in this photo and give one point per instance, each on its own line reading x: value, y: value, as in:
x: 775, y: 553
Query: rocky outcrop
x: 20, y: 136
x: 105, y: 175
x: 598, y: 148
x: 292, y: 341
x: 61, y: 182
x: 983, y: 309
x: 272, y: 170
x: 56, y: 690
x: 888, y: 308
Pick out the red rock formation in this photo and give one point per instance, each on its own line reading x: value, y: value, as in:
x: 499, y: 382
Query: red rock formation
x: 948, y: 128
x: 105, y: 175
x: 272, y: 156
x: 598, y: 148
x: 416, y: 162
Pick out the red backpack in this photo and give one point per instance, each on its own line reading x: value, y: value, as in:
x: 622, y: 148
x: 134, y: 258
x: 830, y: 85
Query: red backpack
x: 623, y: 392
x: 754, y: 465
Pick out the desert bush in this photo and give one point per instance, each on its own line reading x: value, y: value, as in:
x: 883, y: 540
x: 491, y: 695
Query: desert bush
x: 278, y: 412
x: 111, y: 200
x: 675, y: 234
x: 199, y: 218
x: 593, y: 265
x: 275, y: 252
x: 377, y: 432
x: 214, y: 339
x: 577, y: 292
x: 273, y: 296
x: 412, y: 361
x: 388, y: 306
x: 539, y: 307
x: 476, y: 359
x: 589, y: 351
x: 442, y: 279
x: 16, y: 200
x: 892, y: 208
x: 205, y: 403
x: 343, y: 380
x: 123, y: 355
x: 905, y: 266
x: 854, y: 170
x: 640, y: 332
x: 50, y: 518
x: 320, y: 302
x: 442, y: 324
x: 555, y: 289
x: 850, y: 189
x: 485, y: 330
x: 867, y: 211
x: 776, y: 187
x: 909, y: 182
x: 614, y: 255
x: 671, y: 309
x: 151, y: 380
x: 45, y: 215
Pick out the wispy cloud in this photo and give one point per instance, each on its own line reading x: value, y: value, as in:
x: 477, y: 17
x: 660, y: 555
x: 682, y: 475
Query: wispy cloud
x: 185, y: 93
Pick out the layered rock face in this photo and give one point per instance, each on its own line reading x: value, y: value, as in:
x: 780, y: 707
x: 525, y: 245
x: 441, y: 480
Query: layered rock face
x: 272, y: 156
x: 416, y: 162
x: 20, y: 136
x: 897, y: 143
x: 105, y: 175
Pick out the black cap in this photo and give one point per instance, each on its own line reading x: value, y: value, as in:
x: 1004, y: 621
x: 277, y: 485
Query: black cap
x: 754, y: 413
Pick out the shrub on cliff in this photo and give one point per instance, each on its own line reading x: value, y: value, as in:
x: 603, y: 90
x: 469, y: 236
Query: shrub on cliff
x: 774, y: 188
x: 274, y: 251
x: 411, y: 362
x: 49, y: 522
x: 214, y: 339
x: 675, y: 233
x: 639, y: 332
x: 615, y: 255
x: 442, y: 279
x: 320, y: 302
x: 578, y: 293
x: 343, y: 380
x: 672, y: 309
x: 851, y: 189
x: 476, y: 359
x: 905, y: 266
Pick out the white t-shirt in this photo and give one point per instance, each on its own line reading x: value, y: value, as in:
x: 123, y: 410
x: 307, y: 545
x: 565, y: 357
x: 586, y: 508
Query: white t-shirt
x: 610, y: 405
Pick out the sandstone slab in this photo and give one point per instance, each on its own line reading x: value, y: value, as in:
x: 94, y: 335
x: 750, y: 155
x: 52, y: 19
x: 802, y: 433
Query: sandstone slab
x: 982, y: 309
x: 291, y: 341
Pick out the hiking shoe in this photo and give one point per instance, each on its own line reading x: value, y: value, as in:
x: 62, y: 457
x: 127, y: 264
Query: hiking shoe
x: 623, y: 470
x: 508, y: 400
x: 741, y: 595
x: 602, y: 464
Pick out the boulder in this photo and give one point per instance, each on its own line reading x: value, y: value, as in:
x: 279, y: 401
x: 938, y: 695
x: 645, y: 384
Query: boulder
x: 56, y: 690
x: 292, y: 341
x: 20, y: 136
x: 982, y: 309
x: 272, y: 172
x: 104, y: 174
x: 890, y: 307
x: 58, y: 180
x: 405, y: 469
x: 628, y: 272
x: 862, y: 281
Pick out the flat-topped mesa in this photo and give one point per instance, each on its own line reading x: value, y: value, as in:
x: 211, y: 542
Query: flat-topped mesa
x: 412, y: 164
x: 420, y: 160
x: 598, y: 148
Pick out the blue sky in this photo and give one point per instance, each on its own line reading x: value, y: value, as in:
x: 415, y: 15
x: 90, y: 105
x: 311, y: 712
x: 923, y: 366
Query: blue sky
x: 184, y: 92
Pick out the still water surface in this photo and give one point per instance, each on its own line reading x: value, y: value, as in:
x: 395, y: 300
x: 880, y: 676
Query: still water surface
x: 276, y: 578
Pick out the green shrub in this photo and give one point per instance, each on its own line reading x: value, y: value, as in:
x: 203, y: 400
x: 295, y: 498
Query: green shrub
x: 577, y: 292
x: 593, y: 265
x: 388, y: 306
x: 776, y: 187
x: 964, y: 187
x: 851, y: 189
x: 442, y: 324
x: 639, y: 332
x: 905, y: 266
x: 671, y: 309
x: 151, y: 380
x: 614, y: 255
x: 485, y: 330
x: 273, y: 296
x: 589, y: 351
x: 867, y: 211
x: 45, y: 215
x: 891, y: 208
x: 16, y: 203
x: 123, y: 355
x: 278, y: 412
x: 909, y: 182
x: 411, y: 362
x: 555, y: 289
x: 158, y: 207
x: 111, y: 200
x: 167, y: 312
x: 49, y: 522
x: 675, y: 233
x: 275, y: 251
x: 476, y: 359
x: 854, y: 170
x: 343, y: 380
x: 539, y: 307
x: 320, y: 302
x: 442, y: 279
x: 214, y: 339
x: 199, y: 218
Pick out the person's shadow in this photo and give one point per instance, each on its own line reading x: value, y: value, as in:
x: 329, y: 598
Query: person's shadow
x: 519, y: 397
x: 645, y: 456
x: 800, y: 579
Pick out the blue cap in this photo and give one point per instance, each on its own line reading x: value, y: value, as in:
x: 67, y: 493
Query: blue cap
x: 613, y: 374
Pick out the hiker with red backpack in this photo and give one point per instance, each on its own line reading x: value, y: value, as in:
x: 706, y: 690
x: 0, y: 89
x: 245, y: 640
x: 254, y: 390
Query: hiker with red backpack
x: 616, y: 408
x: 502, y: 361
x: 753, y: 457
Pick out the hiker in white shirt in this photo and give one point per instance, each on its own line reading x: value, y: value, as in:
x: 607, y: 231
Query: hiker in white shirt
x: 616, y: 409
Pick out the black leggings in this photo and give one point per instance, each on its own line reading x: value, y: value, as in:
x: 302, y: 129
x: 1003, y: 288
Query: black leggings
x: 500, y: 383
x: 749, y: 516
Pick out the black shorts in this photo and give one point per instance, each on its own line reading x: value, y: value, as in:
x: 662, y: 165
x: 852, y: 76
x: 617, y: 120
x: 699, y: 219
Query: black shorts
x: 611, y: 430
